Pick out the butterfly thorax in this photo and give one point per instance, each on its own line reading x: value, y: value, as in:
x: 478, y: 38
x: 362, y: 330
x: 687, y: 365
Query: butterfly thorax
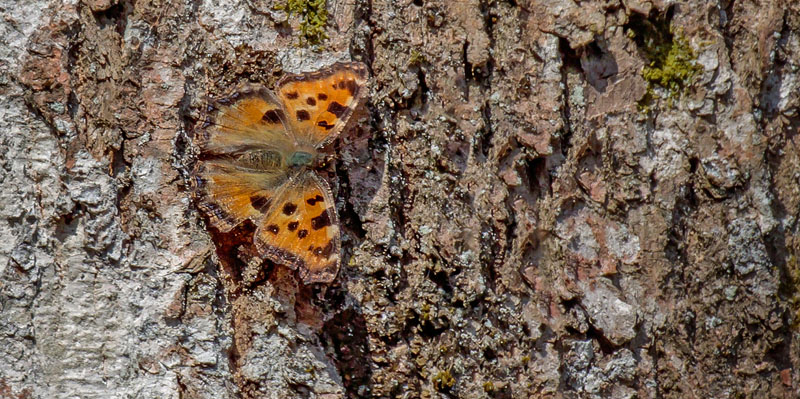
x: 300, y: 158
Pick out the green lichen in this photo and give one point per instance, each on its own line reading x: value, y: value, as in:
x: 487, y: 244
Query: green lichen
x: 416, y: 58
x: 443, y: 381
x: 425, y: 312
x: 673, y: 65
x: 314, y: 18
x: 671, y: 61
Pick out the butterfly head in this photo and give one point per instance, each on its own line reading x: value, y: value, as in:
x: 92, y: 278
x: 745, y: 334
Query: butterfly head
x: 323, y: 161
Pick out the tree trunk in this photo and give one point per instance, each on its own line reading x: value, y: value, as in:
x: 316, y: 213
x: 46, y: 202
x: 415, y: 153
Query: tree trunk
x: 540, y: 199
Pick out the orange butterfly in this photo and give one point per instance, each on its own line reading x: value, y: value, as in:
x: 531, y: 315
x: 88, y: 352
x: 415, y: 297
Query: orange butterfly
x: 258, y: 152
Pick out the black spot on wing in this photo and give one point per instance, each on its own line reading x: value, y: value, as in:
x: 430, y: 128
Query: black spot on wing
x: 321, y: 221
x: 259, y: 202
x: 325, y: 125
x: 349, y: 85
x: 336, y: 109
x: 272, y: 116
x: 311, y: 101
x: 292, y: 95
x: 327, y: 250
x: 312, y: 201
x: 322, y: 96
x: 289, y: 208
x: 292, y: 225
x: 302, y: 234
x: 274, y: 229
x: 322, y: 252
x: 303, y: 115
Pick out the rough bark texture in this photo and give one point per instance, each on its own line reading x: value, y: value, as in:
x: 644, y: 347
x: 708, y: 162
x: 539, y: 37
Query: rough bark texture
x: 528, y: 212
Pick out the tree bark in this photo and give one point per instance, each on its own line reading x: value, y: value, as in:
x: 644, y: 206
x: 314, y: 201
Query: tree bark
x: 540, y: 199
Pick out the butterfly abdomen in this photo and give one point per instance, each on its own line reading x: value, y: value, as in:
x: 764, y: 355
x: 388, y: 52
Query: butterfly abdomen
x: 261, y: 159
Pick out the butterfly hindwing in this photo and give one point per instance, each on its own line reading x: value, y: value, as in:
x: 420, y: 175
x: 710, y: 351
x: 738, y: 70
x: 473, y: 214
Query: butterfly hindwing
x: 230, y: 194
x: 301, y: 229
x: 318, y: 104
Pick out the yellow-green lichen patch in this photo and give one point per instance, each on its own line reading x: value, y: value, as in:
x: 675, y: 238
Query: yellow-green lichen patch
x: 314, y: 18
x: 671, y: 61
x: 425, y: 312
x: 673, y: 65
x: 443, y: 381
x: 416, y: 58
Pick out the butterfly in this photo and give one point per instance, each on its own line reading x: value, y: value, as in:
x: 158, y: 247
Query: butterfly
x: 258, y: 151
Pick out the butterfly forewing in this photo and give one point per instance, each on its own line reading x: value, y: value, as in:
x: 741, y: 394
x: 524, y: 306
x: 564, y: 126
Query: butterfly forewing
x: 318, y: 104
x: 251, y: 118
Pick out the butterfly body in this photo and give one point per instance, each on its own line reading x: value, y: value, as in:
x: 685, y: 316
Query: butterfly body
x: 261, y: 160
x: 258, y: 156
x: 300, y: 159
